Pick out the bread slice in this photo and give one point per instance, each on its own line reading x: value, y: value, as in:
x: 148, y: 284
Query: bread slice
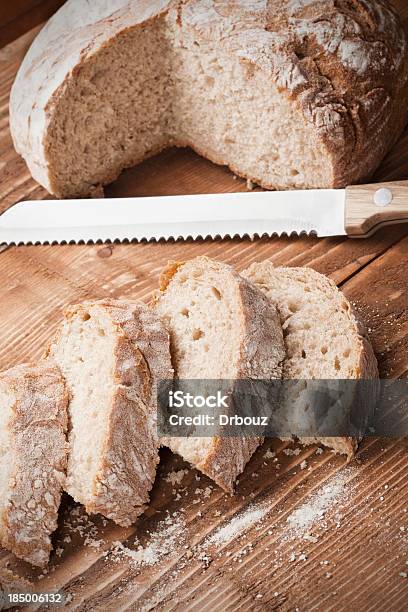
x: 288, y: 94
x: 323, y: 338
x: 112, y: 354
x: 221, y: 327
x: 33, y: 459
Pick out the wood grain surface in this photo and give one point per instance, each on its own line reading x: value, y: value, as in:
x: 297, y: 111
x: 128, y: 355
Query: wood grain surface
x: 19, y: 16
x: 353, y: 554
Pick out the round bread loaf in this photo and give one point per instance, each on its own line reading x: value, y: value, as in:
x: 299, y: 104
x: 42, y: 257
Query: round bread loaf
x: 288, y: 93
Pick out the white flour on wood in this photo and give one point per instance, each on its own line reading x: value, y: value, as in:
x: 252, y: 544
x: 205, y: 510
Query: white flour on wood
x: 237, y: 525
x: 169, y: 534
x: 311, y: 513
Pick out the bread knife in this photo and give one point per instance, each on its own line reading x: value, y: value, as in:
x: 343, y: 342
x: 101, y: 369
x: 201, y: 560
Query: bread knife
x: 357, y: 211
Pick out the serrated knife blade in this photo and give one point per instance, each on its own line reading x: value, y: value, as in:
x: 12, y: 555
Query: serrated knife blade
x: 165, y: 217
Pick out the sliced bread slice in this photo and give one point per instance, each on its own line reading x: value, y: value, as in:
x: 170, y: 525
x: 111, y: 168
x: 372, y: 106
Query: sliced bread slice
x: 112, y: 354
x: 33, y: 459
x: 221, y: 327
x: 323, y: 338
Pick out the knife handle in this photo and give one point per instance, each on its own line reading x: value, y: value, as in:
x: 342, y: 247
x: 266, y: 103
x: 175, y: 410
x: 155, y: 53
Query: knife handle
x: 370, y: 206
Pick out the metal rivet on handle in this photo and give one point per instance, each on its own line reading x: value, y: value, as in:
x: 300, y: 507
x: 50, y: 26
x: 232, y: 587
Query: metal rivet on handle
x: 383, y: 197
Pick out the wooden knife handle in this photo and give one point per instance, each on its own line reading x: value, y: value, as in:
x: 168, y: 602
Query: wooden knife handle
x: 370, y: 206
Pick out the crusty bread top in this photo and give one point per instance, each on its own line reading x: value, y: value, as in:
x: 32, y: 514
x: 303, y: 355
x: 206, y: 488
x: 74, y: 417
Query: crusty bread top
x: 39, y: 456
x: 344, y: 64
x: 38, y: 391
x: 333, y: 58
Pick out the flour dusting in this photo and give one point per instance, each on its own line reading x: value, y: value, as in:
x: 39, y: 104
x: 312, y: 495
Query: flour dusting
x: 237, y: 525
x: 329, y: 496
x: 169, y: 535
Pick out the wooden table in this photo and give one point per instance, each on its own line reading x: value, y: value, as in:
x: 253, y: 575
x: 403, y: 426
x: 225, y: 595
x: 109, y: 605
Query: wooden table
x: 354, y: 554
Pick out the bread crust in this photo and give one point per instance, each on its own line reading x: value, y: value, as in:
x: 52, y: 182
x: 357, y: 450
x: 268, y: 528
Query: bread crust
x: 342, y: 64
x: 367, y: 367
x: 332, y: 60
x: 38, y: 441
x: 130, y: 453
x: 261, y: 357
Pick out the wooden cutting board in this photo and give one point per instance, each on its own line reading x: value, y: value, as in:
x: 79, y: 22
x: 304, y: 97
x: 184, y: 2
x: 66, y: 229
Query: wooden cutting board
x: 304, y: 531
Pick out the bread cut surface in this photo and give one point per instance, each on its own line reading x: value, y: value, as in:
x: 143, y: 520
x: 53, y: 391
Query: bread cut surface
x: 33, y: 459
x: 288, y: 94
x: 112, y: 354
x: 323, y: 339
x: 221, y: 327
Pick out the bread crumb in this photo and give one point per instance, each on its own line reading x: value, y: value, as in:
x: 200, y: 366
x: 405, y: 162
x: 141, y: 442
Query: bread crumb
x: 303, y: 465
x: 250, y: 185
x: 79, y: 522
x: 310, y: 538
x: 292, y: 452
x: 205, y: 559
x: 175, y: 477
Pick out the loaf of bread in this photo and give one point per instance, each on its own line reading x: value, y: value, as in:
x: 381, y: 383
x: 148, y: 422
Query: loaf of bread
x: 289, y: 94
x: 112, y: 354
x: 323, y: 338
x: 221, y: 327
x: 33, y: 459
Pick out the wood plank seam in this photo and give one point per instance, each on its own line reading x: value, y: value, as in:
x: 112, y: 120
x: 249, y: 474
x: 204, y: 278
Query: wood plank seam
x: 372, y: 261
